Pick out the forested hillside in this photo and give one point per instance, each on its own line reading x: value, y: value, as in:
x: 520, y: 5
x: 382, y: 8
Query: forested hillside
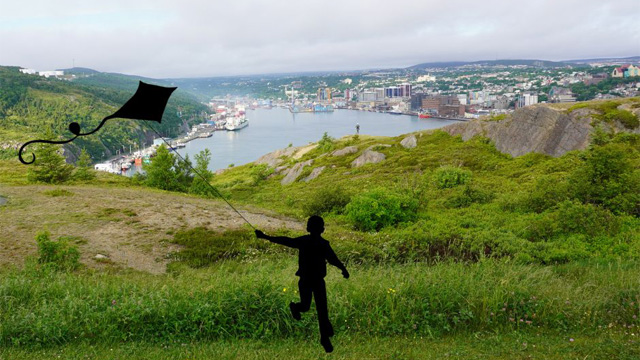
x: 30, y: 105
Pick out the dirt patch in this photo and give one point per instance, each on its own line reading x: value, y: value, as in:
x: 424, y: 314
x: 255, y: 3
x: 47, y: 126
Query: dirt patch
x: 132, y: 226
x: 3, y: 200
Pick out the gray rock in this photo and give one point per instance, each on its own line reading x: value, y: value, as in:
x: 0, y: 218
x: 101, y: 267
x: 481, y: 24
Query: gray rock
x: 100, y: 257
x: 3, y: 200
x: 345, y: 151
x: 273, y: 159
x: 532, y: 129
x: 280, y: 169
x: 368, y: 157
x: 314, y: 174
x: 293, y: 173
x: 409, y: 142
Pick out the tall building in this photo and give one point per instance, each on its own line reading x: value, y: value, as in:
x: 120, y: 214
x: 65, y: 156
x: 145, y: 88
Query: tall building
x: 324, y: 94
x: 527, y: 100
x: 405, y: 90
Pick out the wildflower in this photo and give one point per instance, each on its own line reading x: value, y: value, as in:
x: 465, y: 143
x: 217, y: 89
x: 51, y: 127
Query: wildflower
x: 504, y: 309
x: 521, y: 320
x: 113, y: 302
x: 284, y: 289
x: 570, y: 339
x: 492, y: 314
x: 528, y: 322
x: 635, y: 317
x: 512, y: 319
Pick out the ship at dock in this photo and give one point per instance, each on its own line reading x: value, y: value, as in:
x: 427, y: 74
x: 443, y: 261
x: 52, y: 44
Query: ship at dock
x: 236, y: 123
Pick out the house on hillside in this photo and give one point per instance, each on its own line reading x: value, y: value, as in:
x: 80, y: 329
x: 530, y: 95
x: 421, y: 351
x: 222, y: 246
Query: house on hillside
x: 561, y: 95
x: 625, y: 71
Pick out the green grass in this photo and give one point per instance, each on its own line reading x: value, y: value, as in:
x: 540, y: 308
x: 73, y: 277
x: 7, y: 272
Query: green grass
x: 247, y: 298
x: 513, y: 345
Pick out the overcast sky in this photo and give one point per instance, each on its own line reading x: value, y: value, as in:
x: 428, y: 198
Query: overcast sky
x: 193, y: 38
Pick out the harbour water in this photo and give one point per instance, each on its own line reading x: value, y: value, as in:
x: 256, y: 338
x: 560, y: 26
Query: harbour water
x: 276, y: 128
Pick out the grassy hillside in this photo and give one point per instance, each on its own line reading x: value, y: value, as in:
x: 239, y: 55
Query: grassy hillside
x: 30, y: 105
x: 455, y: 251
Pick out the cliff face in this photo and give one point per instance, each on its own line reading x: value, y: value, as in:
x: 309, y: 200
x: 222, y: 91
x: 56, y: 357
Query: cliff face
x: 537, y: 129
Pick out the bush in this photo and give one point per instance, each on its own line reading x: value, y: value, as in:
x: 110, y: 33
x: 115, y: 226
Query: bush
x: 326, y: 143
x: 83, y: 171
x: 626, y: 118
x: 379, y: 208
x: 330, y: 199
x: 49, y: 166
x: 469, y: 195
x: 608, y: 178
x: 451, y: 176
x: 57, y: 255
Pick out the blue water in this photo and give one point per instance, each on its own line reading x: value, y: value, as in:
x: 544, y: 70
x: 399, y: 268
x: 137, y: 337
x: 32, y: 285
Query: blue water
x: 275, y: 129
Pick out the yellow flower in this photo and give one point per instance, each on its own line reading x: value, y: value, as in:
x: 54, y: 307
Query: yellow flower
x: 284, y: 290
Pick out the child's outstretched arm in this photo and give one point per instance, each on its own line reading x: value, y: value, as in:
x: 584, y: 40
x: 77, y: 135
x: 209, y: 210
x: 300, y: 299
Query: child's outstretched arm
x: 332, y: 258
x: 282, y: 240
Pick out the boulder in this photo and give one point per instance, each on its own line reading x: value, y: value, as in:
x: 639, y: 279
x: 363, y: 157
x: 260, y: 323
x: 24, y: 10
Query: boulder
x: 273, y: 159
x: 293, y: 173
x: 409, y: 142
x: 100, y: 257
x: 314, y: 174
x: 345, y: 151
x: 368, y: 157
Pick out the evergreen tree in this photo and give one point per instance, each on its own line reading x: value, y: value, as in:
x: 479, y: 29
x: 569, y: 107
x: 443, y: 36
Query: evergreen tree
x: 49, y: 166
x: 160, y: 172
x: 84, y: 171
x: 200, y: 183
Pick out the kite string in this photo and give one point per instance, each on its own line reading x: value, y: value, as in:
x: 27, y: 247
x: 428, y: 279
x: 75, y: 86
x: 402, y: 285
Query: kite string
x: 201, y: 176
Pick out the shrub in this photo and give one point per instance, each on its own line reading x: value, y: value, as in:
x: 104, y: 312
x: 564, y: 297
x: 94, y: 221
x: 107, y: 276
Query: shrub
x: 379, y: 208
x: 329, y: 199
x: 607, y: 178
x: 450, y: 176
x: 326, y: 143
x: 470, y: 194
x: 626, y: 118
x: 57, y: 255
x: 83, y: 170
x: 49, y: 166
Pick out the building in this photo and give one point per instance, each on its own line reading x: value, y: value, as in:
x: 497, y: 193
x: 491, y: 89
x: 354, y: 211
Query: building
x: 405, y: 90
x: 561, y: 95
x: 527, y: 100
x: 444, y: 105
x: 595, y: 79
x: 54, y: 73
x: 625, y: 71
x: 367, y: 96
x: 28, y: 71
x: 324, y: 94
x: 416, y: 101
x: 379, y: 93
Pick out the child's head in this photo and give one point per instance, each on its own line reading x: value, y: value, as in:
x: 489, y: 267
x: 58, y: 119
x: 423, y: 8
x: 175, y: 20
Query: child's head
x: 315, y: 225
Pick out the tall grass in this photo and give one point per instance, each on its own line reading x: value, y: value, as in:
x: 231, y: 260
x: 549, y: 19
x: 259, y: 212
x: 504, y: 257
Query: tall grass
x: 248, y: 300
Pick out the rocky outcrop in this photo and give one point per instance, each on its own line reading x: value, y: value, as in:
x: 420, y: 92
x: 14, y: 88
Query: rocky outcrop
x: 274, y: 159
x: 532, y: 129
x: 293, y: 173
x: 368, y: 157
x: 345, y: 151
x: 314, y: 173
x: 409, y: 142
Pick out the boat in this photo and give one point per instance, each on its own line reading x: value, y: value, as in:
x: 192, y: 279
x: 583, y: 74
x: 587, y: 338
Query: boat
x: 395, y: 112
x: 424, y: 116
x: 236, y: 123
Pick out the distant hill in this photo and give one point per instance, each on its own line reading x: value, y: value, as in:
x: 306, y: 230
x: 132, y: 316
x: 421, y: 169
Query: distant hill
x: 630, y: 59
x: 31, y: 104
x: 504, y: 62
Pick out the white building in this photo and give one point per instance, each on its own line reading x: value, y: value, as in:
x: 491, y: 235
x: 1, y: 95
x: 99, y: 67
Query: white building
x: 527, y: 100
x: 50, y: 73
x: 28, y: 71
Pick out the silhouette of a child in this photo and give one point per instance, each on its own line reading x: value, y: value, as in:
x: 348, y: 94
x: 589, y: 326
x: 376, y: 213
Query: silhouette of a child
x: 313, y: 254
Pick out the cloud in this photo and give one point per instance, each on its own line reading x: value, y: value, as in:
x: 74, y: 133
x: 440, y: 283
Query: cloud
x: 203, y: 38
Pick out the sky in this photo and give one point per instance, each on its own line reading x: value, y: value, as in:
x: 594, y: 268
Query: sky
x: 199, y: 38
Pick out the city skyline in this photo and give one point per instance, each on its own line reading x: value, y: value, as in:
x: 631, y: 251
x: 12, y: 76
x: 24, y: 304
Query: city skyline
x: 162, y: 39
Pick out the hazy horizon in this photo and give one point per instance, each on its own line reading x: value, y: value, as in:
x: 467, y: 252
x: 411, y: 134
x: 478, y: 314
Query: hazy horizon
x: 164, y: 39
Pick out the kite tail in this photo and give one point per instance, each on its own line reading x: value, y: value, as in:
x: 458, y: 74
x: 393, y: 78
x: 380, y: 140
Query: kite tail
x: 39, y: 141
